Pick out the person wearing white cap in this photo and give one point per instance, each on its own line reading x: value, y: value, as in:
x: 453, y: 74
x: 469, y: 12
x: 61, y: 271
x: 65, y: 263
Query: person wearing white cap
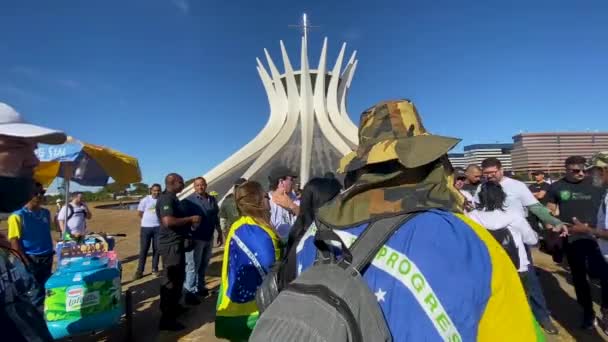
x: 21, y: 321
x: 18, y: 141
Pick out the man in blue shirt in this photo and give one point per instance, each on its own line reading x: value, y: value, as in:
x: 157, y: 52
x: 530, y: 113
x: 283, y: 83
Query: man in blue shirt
x: 197, y: 259
x: 29, y: 231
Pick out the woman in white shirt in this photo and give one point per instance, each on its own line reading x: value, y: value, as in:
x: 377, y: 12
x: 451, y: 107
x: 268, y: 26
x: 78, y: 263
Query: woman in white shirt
x: 490, y: 213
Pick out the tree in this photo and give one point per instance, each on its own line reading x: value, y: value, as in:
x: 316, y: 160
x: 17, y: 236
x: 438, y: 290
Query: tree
x: 139, y: 189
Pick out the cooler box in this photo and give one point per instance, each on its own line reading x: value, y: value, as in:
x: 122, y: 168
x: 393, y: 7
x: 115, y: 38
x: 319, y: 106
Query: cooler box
x: 84, y: 293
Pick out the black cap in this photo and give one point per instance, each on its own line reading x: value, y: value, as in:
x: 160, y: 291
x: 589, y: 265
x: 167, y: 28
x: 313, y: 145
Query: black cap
x: 280, y: 172
x: 239, y: 181
x: 538, y: 172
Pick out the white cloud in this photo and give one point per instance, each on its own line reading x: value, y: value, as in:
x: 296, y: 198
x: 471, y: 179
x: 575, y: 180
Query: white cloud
x: 182, y: 5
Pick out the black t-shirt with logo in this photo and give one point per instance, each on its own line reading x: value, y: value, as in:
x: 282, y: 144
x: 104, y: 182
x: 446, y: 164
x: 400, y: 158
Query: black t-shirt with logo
x: 581, y: 200
x: 544, y: 186
x: 169, y: 205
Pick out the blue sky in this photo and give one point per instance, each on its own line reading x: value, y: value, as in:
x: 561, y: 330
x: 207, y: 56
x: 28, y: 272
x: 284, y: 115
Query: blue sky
x: 174, y: 83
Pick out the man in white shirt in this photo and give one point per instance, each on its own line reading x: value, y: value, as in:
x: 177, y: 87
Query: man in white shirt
x: 519, y: 200
x: 76, y: 213
x: 284, y: 205
x: 148, y: 234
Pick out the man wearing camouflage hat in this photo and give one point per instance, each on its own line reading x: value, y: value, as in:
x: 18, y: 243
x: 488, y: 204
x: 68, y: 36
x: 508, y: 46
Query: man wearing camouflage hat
x: 439, y: 275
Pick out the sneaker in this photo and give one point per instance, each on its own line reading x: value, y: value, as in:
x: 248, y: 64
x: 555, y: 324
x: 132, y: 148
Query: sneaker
x: 169, y: 324
x: 589, y: 322
x: 155, y: 273
x: 549, y: 327
x: 137, y: 276
x: 191, y: 299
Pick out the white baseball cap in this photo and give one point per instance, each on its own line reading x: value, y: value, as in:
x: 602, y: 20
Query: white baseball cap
x: 12, y: 124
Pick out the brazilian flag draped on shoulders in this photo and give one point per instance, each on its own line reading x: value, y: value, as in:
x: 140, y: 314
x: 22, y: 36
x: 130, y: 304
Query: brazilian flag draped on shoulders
x: 250, y: 251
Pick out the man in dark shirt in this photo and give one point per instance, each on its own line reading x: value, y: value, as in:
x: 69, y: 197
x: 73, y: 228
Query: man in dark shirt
x: 579, y: 200
x: 175, y: 225
x: 540, y: 187
x: 197, y: 258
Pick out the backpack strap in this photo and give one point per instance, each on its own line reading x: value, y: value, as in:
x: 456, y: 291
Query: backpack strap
x: 365, y: 248
x: 367, y: 245
x: 69, y: 209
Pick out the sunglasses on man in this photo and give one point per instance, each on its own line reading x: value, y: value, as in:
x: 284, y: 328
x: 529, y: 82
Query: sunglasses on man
x: 576, y: 171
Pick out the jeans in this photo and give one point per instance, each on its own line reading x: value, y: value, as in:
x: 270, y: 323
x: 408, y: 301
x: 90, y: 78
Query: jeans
x: 148, y: 236
x: 172, y: 279
x: 197, y: 261
x: 534, y: 292
x: 41, y: 267
x: 584, y: 256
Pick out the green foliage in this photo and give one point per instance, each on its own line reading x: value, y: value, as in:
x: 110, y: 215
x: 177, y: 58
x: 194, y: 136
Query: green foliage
x: 107, y: 193
x: 524, y: 177
x: 139, y: 189
x: 115, y: 188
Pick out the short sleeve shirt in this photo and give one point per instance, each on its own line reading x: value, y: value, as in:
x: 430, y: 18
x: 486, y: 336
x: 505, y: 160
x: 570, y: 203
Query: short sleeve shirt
x: 168, y: 204
x: 518, y: 196
x: 581, y: 200
x: 147, y: 206
x: 536, y: 187
x: 282, y: 219
x: 77, y: 216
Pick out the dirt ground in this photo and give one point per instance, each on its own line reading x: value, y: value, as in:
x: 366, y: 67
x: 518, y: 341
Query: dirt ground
x: 199, y: 320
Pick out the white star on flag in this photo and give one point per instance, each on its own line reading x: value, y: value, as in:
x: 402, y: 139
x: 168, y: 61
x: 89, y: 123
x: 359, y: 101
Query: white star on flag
x: 380, y: 295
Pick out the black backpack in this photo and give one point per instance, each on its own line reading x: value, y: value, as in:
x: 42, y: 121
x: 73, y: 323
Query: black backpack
x: 505, y: 239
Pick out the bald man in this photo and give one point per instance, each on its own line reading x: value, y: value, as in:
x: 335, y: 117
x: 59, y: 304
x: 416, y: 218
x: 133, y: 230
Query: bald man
x: 473, y: 174
x: 175, y: 225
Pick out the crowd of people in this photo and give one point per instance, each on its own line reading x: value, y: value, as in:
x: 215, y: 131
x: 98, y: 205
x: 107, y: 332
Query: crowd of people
x: 419, y: 251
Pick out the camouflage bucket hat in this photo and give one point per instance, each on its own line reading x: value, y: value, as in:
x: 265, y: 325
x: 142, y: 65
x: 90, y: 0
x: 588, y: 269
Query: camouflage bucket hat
x: 600, y: 159
x: 393, y: 130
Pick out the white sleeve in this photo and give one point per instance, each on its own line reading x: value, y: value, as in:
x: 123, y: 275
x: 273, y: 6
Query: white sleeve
x: 525, y: 195
x: 602, y: 219
x: 61, y: 215
x: 142, y: 205
x: 467, y: 196
x: 527, y: 233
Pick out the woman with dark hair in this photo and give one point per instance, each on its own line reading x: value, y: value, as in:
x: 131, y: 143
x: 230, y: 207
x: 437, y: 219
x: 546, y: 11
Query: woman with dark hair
x: 491, y: 214
x: 252, y: 247
x: 315, y: 194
